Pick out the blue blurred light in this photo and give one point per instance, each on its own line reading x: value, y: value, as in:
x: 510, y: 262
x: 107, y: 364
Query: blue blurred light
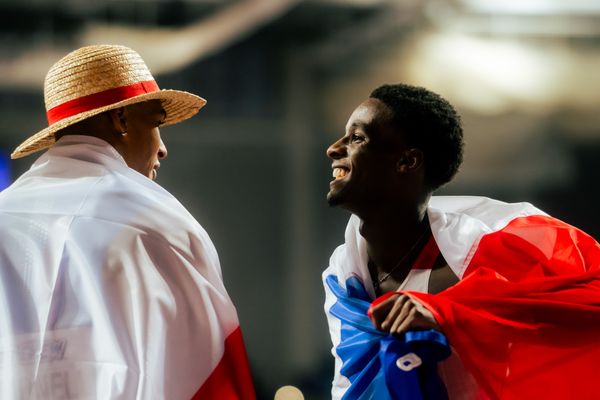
x: 4, y: 170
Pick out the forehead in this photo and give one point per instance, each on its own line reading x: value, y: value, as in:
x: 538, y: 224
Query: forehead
x: 373, y: 116
x: 371, y: 113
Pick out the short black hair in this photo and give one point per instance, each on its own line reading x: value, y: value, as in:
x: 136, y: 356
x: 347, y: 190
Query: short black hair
x: 430, y: 124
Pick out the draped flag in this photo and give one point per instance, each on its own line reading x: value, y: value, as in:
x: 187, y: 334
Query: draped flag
x: 524, y: 318
x: 109, y: 288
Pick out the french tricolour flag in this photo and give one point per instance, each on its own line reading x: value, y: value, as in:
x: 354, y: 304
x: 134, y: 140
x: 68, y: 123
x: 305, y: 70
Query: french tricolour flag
x: 525, y: 316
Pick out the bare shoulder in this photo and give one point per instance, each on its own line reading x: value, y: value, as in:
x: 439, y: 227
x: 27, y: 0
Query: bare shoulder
x: 442, y: 276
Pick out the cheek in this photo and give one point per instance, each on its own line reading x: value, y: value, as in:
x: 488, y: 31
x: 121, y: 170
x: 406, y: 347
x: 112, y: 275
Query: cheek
x: 362, y: 164
x: 153, y: 145
x: 373, y: 168
x: 145, y: 152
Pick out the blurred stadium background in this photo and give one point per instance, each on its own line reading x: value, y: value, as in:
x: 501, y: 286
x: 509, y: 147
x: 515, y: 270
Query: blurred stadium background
x: 281, y: 78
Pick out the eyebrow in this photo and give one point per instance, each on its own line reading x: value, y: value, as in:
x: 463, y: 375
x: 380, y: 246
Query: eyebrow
x: 358, y: 124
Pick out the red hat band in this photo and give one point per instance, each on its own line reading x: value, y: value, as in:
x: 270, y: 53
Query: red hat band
x: 100, y: 99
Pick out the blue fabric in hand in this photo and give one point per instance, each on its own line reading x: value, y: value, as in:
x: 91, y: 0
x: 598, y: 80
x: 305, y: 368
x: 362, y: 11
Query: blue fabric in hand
x: 378, y: 365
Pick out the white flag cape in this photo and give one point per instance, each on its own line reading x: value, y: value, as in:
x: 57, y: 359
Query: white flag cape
x: 109, y: 288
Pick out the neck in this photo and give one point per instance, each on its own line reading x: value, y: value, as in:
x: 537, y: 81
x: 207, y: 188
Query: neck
x: 392, y: 233
x: 98, y: 126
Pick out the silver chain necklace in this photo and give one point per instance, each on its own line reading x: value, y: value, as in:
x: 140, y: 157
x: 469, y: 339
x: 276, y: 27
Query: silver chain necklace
x: 402, y: 259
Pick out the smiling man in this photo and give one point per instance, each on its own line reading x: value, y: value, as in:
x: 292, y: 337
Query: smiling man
x: 449, y: 297
x: 109, y: 288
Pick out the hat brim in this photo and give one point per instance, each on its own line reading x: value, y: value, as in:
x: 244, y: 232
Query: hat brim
x: 178, y: 105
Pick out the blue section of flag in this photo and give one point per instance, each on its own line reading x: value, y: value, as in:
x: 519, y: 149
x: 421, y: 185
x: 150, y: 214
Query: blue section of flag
x: 372, y: 359
x: 4, y: 171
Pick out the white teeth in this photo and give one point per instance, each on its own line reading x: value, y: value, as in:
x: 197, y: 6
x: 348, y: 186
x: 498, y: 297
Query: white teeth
x: 339, y: 173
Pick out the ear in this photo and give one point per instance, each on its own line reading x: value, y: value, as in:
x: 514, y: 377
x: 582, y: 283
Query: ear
x: 118, y: 120
x: 410, y: 160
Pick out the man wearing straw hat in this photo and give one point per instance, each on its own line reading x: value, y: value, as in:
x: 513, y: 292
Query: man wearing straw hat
x: 109, y: 288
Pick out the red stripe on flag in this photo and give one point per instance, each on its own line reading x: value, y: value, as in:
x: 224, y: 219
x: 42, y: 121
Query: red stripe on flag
x: 231, y: 379
x: 100, y: 99
x: 428, y: 255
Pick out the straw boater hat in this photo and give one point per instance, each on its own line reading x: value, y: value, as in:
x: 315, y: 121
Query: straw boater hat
x: 95, y: 79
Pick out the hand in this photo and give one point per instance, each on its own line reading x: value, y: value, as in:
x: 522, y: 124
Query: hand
x: 400, y: 313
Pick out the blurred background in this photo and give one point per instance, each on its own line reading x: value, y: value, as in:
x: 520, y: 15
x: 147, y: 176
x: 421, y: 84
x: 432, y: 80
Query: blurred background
x: 281, y: 78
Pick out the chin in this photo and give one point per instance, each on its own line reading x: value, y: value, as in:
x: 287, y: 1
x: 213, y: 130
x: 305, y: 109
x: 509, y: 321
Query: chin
x: 333, y: 202
x: 335, y: 199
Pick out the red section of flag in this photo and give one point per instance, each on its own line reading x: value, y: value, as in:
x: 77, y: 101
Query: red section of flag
x: 525, y: 320
x: 428, y: 255
x: 100, y: 99
x: 231, y: 379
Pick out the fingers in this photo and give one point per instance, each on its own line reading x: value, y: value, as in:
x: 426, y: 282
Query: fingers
x: 383, y: 314
x: 379, y: 312
x: 401, y: 326
x: 400, y: 313
x: 404, y: 320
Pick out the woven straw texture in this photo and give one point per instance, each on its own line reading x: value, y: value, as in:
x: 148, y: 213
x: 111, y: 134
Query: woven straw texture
x: 95, y: 69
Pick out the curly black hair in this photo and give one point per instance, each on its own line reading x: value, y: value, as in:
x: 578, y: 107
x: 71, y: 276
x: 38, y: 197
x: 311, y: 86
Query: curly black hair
x: 430, y: 124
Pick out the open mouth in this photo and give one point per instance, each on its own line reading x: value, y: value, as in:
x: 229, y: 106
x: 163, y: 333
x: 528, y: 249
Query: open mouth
x: 340, y: 172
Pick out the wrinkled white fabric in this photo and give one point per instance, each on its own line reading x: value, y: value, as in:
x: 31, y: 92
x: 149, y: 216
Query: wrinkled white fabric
x: 109, y: 288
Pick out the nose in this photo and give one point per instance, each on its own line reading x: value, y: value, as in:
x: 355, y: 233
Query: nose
x: 337, y: 150
x: 162, y: 151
